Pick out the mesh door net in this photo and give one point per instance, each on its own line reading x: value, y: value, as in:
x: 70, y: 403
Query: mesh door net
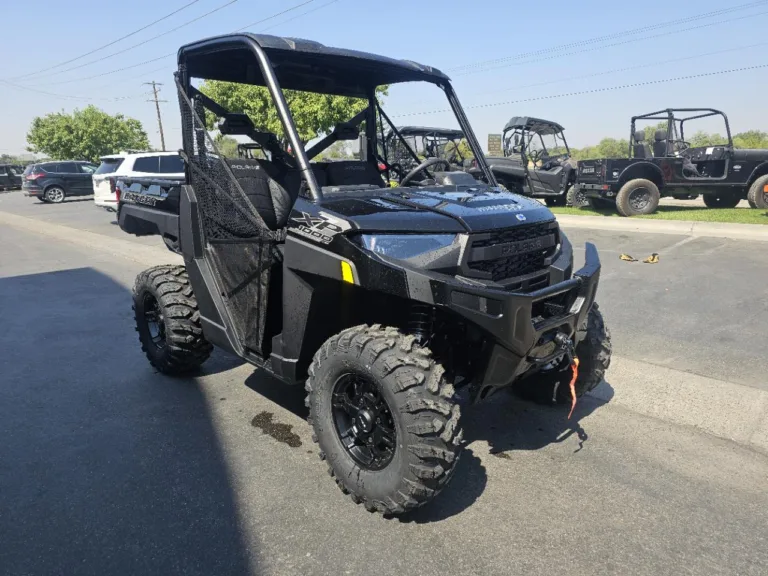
x: 238, y: 244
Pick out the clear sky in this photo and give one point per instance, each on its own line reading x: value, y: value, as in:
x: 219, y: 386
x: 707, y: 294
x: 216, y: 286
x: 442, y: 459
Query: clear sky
x: 450, y: 34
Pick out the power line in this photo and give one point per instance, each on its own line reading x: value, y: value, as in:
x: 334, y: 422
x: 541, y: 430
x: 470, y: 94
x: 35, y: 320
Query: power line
x: 68, y: 96
x: 145, y: 42
x: 593, y: 90
x: 621, y: 43
x: 298, y: 15
x: 124, y: 68
x: 625, y: 69
x: 187, y: 5
x: 598, y: 39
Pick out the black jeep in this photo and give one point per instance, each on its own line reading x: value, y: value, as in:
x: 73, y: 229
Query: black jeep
x: 387, y: 304
x: 536, y: 162
x: 670, y: 166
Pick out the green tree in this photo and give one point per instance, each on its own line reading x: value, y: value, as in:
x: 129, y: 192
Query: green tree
x: 752, y: 139
x: 85, y: 134
x: 339, y: 151
x: 314, y: 114
x: 463, y: 148
x: 226, y: 145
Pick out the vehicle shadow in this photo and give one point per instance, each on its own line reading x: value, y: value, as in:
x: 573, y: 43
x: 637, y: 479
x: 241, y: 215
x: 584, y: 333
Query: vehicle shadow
x: 106, y: 467
x: 506, y: 424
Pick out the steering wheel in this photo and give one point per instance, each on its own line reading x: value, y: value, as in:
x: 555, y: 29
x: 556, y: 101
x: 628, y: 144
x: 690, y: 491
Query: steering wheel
x: 422, y: 167
x: 534, y: 156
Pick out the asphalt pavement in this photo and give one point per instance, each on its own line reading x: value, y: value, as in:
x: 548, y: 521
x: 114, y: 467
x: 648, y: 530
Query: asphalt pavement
x: 107, y: 467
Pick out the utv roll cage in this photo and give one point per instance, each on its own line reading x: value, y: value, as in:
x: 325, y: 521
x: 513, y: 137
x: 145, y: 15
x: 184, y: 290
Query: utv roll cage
x: 433, y: 142
x: 534, y: 127
x: 306, y: 66
x: 675, y: 126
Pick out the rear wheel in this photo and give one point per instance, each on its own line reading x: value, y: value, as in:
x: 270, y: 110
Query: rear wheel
x: 758, y: 193
x: 54, y: 195
x: 168, y: 321
x: 384, y: 417
x: 721, y: 200
x: 594, y: 353
x: 575, y: 197
x: 637, y: 197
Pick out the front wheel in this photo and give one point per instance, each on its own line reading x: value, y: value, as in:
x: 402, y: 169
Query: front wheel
x: 384, y: 417
x: 594, y: 353
x: 721, y: 201
x: 168, y: 320
x: 758, y: 193
x: 637, y: 197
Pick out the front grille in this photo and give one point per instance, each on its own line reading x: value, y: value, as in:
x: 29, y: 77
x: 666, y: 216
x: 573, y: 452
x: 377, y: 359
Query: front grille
x: 521, y: 262
x: 513, y: 235
x: 511, y: 266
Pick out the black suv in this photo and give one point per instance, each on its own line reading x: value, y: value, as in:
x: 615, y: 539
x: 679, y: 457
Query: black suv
x: 54, y: 181
x: 10, y: 176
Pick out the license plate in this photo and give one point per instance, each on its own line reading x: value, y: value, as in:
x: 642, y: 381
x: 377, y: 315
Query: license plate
x: 588, y: 171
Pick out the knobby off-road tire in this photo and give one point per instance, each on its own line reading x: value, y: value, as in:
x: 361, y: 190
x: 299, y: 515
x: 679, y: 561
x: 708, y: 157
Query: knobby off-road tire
x: 757, y: 196
x: 638, y: 196
x: 574, y: 198
x: 594, y: 353
x: 174, y: 344
x: 423, y: 410
x: 721, y: 201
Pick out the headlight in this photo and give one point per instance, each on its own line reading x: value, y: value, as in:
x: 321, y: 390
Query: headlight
x: 404, y: 246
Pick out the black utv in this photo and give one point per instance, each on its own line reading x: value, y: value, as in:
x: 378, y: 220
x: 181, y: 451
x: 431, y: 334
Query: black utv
x: 670, y: 166
x: 388, y: 305
x: 537, y: 162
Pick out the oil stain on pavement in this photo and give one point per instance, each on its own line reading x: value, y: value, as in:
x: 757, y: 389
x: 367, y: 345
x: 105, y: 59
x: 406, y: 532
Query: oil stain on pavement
x: 280, y: 432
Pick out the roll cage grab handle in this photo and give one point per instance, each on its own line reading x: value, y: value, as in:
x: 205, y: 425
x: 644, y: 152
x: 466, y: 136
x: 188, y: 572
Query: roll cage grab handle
x: 286, y: 119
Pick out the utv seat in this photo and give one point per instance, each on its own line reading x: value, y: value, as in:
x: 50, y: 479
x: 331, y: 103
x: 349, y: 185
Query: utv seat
x: 352, y: 173
x: 272, y: 190
x: 660, y: 144
x: 641, y: 149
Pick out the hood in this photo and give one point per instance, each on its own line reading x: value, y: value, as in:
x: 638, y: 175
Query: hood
x: 438, y: 209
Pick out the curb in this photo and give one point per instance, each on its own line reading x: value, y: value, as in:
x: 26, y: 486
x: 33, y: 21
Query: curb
x: 754, y: 232
x: 732, y: 411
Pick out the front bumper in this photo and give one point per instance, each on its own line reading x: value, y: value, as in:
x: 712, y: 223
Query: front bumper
x: 602, y: 191
x: 522, y: 325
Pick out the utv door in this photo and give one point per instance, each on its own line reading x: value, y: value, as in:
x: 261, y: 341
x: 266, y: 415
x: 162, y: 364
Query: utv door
x: 546, y: 182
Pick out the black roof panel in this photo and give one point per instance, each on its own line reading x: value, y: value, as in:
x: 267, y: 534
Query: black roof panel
x: 430, y: 131
x: 300, y: 64
x: 534, y: 125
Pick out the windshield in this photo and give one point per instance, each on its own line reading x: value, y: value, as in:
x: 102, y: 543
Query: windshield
x: 534, y: 144
x: 109, y: 165
x: 344, y: 151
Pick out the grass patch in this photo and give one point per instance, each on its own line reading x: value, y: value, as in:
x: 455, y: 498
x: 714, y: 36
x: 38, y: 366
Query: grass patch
x: 693, y: 213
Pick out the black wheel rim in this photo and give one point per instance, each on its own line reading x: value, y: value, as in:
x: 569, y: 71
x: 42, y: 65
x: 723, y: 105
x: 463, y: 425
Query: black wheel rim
x: 153, y: 316
x: 640, y: 198
x: 363, y: 421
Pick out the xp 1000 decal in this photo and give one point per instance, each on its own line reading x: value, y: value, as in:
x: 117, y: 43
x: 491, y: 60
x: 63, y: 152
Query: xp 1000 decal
x: 320, y: 227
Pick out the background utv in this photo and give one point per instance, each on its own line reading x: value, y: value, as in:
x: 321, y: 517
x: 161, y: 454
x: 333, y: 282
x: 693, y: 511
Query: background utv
x: 380, y: 301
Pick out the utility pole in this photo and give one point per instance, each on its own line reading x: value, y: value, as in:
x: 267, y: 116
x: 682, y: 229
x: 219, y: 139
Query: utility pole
x: 157, y: 107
